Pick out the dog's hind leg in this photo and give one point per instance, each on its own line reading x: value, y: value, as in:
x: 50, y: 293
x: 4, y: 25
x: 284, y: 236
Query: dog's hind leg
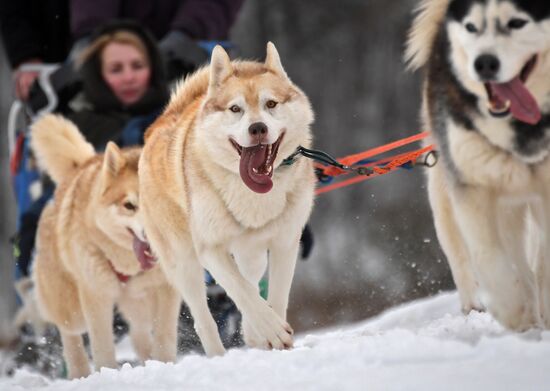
x: 506, y: 283
x: 165, y: 323
x: 75, y: 355
x: 452, y: 241
x: 187, y: 275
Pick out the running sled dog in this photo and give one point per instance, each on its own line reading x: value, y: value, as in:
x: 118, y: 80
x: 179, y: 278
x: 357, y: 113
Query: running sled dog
x: 486, y: 100
x: 215, y: 193
x: 90, y: 255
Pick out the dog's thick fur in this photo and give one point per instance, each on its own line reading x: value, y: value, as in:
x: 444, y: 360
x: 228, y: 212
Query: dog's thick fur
x: 490, y: 193
x: 83, y: 238
x: 199, y: 213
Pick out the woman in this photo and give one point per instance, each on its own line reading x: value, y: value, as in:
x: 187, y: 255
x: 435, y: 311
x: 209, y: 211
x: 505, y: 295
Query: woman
x: 124, y: 88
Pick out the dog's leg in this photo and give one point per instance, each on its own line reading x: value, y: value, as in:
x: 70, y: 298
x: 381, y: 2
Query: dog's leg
x: 452, y: 241
x: 541, y: 226
x: 506, y: 287
x: 75, y: 355
x: 98, y: 312
x: 264, y: 320
x: 282, y: 262
x: 252, y: 264
x: 165, y: 301
x: 165, y: 323
x: 187, y: 275
x: 139, y: 314
x: 543, y: 289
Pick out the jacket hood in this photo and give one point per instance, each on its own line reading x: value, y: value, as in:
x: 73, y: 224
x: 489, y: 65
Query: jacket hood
x: 98, y: 93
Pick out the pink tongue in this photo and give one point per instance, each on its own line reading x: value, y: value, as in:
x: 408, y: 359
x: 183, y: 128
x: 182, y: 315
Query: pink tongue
x: 255, y: 158
x: 524, y: 107
x: 140, y: 247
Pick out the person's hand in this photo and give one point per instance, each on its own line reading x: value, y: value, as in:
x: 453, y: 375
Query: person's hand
x: 24, y: 80
x: 181, y: 53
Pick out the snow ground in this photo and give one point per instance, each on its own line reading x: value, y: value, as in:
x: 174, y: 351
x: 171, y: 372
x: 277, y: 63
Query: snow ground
x: 423, y: 345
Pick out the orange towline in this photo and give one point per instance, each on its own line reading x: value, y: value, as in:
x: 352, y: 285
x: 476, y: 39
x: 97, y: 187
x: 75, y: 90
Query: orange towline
x: 376, y: 168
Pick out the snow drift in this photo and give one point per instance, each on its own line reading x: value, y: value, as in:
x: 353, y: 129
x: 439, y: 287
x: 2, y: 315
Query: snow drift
x: 423, y: 345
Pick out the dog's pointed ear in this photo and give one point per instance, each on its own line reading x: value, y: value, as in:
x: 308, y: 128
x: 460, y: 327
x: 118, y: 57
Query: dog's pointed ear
x: 273, y: 61
x: 220, y: 68
x: 113, y: 162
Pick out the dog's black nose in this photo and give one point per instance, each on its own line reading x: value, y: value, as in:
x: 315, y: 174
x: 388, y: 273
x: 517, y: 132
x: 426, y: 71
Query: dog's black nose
x: 487, y: 66
x: 257, y: 129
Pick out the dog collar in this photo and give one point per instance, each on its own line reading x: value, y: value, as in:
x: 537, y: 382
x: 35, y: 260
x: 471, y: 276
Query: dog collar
x: 121, y: 277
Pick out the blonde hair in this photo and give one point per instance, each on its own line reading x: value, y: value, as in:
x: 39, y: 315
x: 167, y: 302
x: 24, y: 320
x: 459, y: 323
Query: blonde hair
x: 124, y: 37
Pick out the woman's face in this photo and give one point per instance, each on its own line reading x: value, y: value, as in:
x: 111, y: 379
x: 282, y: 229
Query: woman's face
x: 126, y: 71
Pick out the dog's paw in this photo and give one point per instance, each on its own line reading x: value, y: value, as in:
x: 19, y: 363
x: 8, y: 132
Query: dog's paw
x: 521, y: 318
x: 254, y: 340
x: 268, y: 331
x: 544, y: 309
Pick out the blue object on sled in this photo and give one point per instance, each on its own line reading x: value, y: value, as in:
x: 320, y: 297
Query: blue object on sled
x: 23, y: 177
x: 210, y: 45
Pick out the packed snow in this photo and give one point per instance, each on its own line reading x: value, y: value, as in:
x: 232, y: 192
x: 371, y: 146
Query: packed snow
x: 424, y: 345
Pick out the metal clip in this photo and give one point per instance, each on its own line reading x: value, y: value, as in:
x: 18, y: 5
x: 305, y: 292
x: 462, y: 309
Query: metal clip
x: 429, y: 160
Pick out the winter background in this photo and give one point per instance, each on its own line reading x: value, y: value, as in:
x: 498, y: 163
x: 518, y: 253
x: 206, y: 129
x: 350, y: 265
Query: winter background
x: 375, y: 245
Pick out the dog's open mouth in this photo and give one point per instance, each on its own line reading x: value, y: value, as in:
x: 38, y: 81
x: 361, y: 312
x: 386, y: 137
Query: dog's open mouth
x: 143, y: 252
x: 256, y: 164
x: 513, y: 97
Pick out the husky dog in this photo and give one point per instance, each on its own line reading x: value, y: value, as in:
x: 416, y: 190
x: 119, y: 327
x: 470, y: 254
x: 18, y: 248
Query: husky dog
x: 90, y: 254
x: 215, y: 194
x: 486, y: 100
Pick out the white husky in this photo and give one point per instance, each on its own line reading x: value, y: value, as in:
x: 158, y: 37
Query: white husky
x: 215, y: 194
x: 487, y: 103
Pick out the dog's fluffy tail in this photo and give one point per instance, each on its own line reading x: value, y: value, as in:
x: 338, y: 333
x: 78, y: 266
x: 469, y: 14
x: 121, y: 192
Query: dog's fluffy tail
x: 59, y: 146
x: 429, y: 16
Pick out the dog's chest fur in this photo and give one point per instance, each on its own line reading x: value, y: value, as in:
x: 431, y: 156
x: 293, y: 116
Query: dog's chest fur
x: 223, y: 203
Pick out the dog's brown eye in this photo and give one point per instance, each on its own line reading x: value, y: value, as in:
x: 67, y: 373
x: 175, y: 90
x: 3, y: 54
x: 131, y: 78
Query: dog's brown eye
x: 516, y: 24
x: 471, y: 28
x: 235, y: 109
x: 129, y: 206
x: 270, y: 104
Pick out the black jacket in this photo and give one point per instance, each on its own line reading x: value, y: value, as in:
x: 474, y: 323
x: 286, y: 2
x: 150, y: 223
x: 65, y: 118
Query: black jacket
x: 35, y: 29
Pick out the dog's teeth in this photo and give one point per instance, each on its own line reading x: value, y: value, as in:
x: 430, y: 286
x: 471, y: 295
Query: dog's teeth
x: 496, y: 110
x: 148, y: 253
x: 269, y: 169
x: 255, y: 171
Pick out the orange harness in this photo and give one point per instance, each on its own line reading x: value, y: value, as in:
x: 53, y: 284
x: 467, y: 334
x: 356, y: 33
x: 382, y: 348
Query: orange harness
x: 381, y: 166
x: 361, y: 164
